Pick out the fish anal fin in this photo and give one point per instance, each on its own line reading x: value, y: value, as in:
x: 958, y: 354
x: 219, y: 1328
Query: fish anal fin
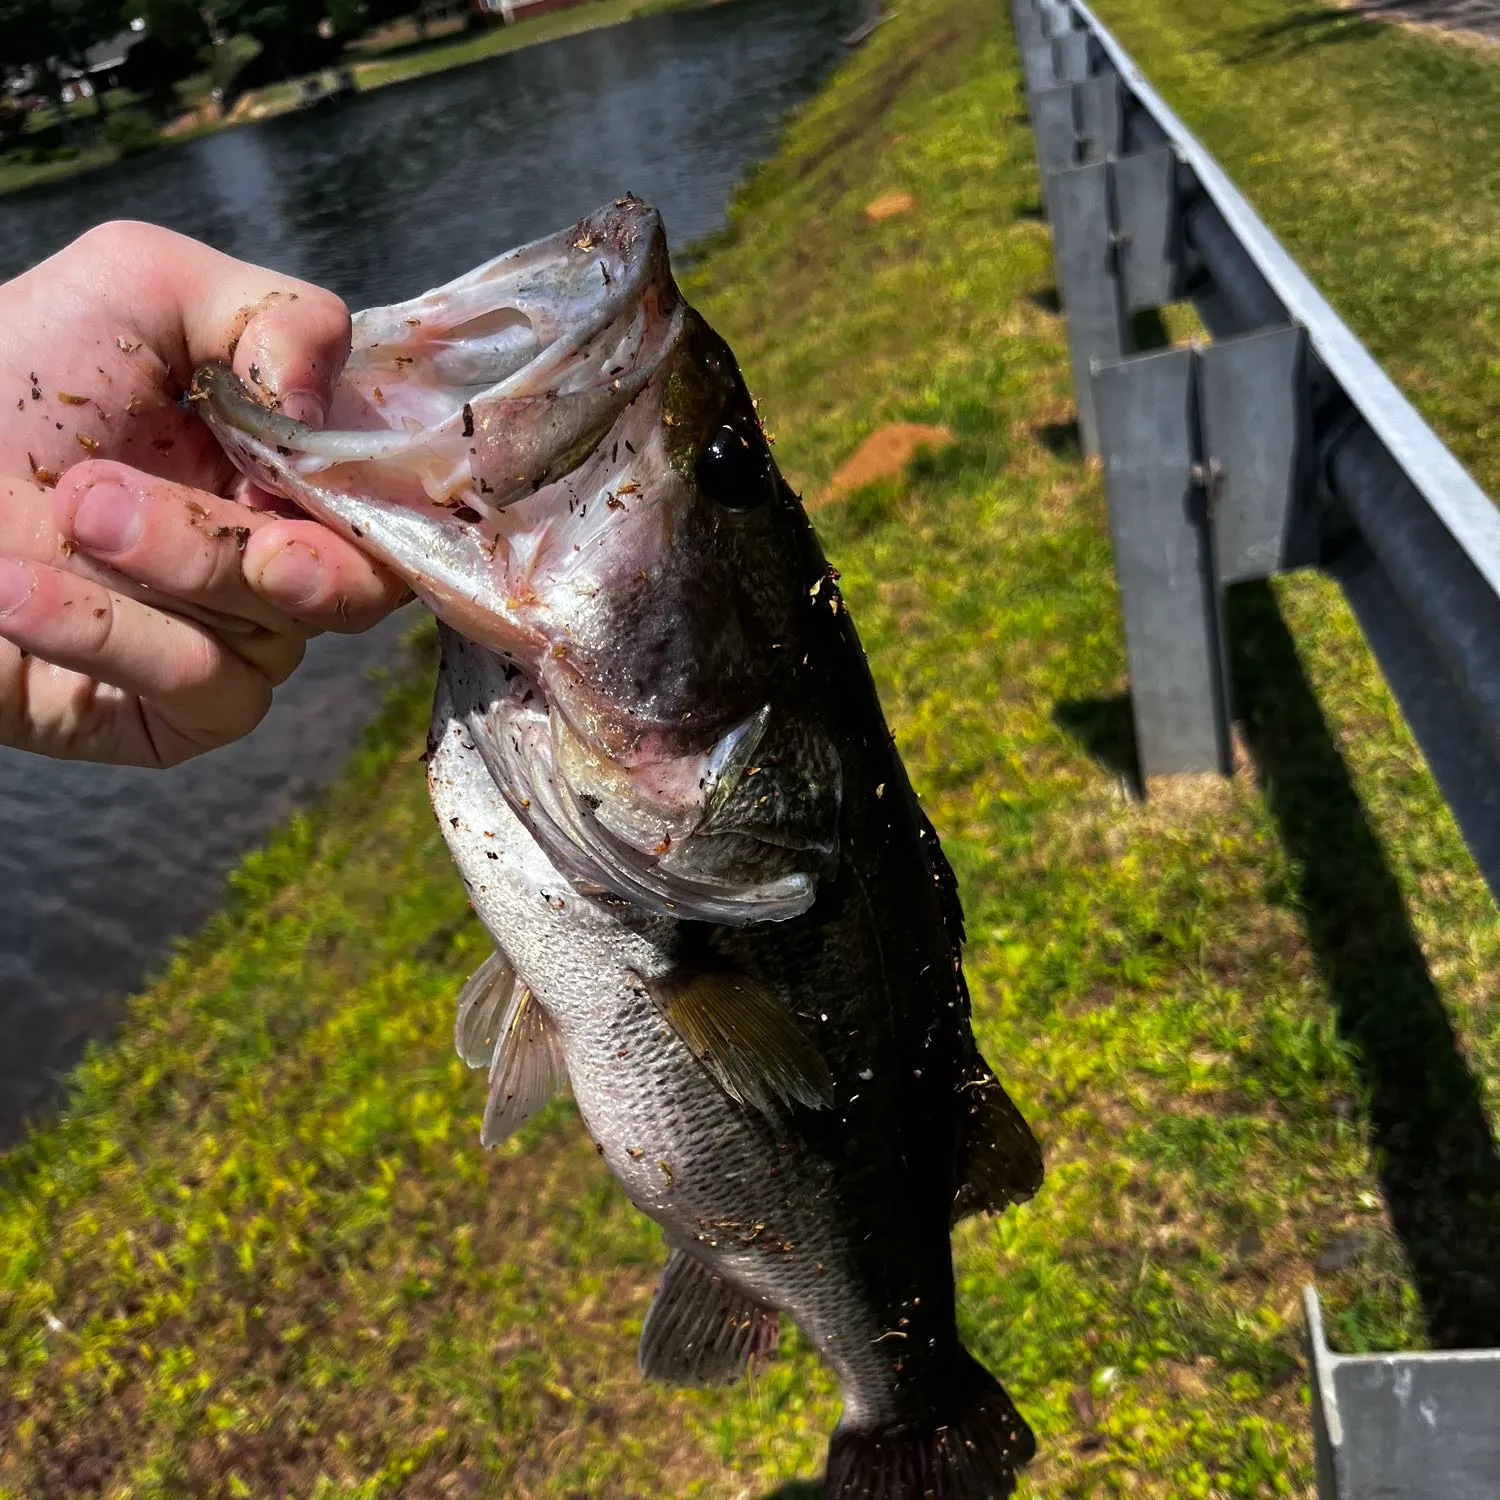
x: 528, y: 1068
x: 999, y: 1162
x: 483, y: 1004
x: 744, y: 1036
x: 700, y: 1331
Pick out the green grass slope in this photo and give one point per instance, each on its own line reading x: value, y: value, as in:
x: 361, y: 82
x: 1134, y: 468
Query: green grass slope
x: 262, y: 1252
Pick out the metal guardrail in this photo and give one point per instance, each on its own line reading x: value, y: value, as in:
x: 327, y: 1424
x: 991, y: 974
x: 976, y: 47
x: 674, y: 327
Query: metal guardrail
x: 1394, y: 1425
x: 1279, y: 444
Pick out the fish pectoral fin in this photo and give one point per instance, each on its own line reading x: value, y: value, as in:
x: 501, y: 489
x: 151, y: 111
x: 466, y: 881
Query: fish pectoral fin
x: 527, y: 1071
x: 1000, y: 1162
x: 745, y: 1037
x: 700, y: 1331
x: 482, y: 1006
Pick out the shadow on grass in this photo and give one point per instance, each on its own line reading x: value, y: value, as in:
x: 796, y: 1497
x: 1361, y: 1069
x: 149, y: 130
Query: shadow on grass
x: 1299, y: 32
x: 1435, y: 1153
x: 798, y: 1489
x: 1359, y: 21
x: 1060, y: 438
x: 1105, y: 727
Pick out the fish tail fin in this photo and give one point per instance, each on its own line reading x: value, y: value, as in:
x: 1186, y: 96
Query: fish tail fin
x: 971, y: 1449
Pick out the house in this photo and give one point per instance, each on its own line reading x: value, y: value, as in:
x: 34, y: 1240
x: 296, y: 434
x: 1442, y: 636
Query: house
x: 519, y: 10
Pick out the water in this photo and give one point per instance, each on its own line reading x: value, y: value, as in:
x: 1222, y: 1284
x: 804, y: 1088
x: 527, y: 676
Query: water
x: 378, y: 197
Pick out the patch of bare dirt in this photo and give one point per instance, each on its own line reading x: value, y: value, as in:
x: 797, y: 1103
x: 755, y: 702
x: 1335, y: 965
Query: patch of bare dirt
x: 883, y: 455
x: 888, y: 205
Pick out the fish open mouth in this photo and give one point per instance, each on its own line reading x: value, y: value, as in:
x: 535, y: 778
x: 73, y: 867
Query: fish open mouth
x: 460, y: 403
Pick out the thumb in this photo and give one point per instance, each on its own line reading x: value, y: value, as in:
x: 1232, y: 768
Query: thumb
x: 287, y: 338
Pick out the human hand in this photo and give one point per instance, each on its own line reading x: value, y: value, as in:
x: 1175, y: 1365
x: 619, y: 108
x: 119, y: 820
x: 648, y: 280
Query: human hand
x: 150, y: 600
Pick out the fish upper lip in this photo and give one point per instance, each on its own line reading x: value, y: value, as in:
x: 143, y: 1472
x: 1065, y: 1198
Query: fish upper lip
x: 599, y: 309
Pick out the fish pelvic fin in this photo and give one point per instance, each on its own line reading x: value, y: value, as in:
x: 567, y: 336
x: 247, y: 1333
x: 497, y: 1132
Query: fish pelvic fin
x: 972, y: 1449
x: 700, y: 1331
x: 999, y: 1162
x: 482, y: 1007
x: 745, y: 1037
x: 526, y: 1066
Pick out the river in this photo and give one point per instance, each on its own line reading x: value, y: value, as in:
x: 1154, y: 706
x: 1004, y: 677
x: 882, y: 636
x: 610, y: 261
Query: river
x: 378, y: 197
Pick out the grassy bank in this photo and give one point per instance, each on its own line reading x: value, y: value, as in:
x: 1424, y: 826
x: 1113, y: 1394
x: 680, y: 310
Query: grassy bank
x: 1252, y: 1021
x: 371, y: 66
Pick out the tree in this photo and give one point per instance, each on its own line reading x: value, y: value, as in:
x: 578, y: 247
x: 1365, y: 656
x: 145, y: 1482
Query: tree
x: 178, y: 24
x: 286, y: 30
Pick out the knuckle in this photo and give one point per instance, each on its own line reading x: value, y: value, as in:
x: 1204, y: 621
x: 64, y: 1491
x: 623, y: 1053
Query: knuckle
x: 117, y: 237
x: 199, y: 660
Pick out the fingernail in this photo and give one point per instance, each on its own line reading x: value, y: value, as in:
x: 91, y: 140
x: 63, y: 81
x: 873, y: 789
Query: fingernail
x: 108, y: 519
x: 304, y: 406
x: 295, y: 576
x: 17, y: 582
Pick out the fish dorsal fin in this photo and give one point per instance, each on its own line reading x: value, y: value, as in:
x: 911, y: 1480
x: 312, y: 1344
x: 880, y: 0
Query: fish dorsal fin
x: 528, y: 1068
x: 745, y: 1037
x: 482, y: 1004
x: 700, y: 1330
x: 1000, y: 1162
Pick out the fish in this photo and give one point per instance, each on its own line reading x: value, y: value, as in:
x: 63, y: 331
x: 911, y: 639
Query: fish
x: 659, y: 760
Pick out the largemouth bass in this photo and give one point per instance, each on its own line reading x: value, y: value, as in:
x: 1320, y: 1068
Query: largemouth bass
x: 659, y: 761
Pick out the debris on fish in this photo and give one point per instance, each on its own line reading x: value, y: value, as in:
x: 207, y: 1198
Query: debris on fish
x: 658, y: 758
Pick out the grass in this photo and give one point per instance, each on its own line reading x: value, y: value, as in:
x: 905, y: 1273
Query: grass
x: 413, y: 62
x: 392, y: 58
x: 1252, y: 1019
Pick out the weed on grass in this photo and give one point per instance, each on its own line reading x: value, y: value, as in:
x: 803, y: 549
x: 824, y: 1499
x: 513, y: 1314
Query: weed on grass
x: 1250, y: 1018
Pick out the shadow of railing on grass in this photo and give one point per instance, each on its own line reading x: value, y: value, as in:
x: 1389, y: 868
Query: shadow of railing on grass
x: 1435, y: 1152
x: 1436, y: 1155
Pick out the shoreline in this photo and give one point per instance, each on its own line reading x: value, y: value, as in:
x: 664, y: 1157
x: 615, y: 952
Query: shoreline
x: 448, y: 54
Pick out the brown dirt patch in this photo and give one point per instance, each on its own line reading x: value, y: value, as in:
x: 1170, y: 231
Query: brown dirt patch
x: 883, y: 455
x: 888, y: 205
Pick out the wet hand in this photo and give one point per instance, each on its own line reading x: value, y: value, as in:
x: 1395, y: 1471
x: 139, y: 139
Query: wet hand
x: 150, y: 600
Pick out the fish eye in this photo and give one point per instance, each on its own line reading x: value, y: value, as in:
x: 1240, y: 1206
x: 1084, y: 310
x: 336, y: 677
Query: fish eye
x: 735, y: 469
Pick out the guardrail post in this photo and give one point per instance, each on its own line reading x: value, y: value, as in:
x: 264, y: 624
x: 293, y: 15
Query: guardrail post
x: 1169, y: 593
x: 1209, y: 473
x: 1056, y: 17
x: 1148, y: 228
x: 1087, y: 280
x: 1098, y: 117
x: 1056, y: 134
x: 1070, y: 57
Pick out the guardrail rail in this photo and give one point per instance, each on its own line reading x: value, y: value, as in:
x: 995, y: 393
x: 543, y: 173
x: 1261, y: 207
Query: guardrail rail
x: 1281, y: 444
x: 1277, y: 444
